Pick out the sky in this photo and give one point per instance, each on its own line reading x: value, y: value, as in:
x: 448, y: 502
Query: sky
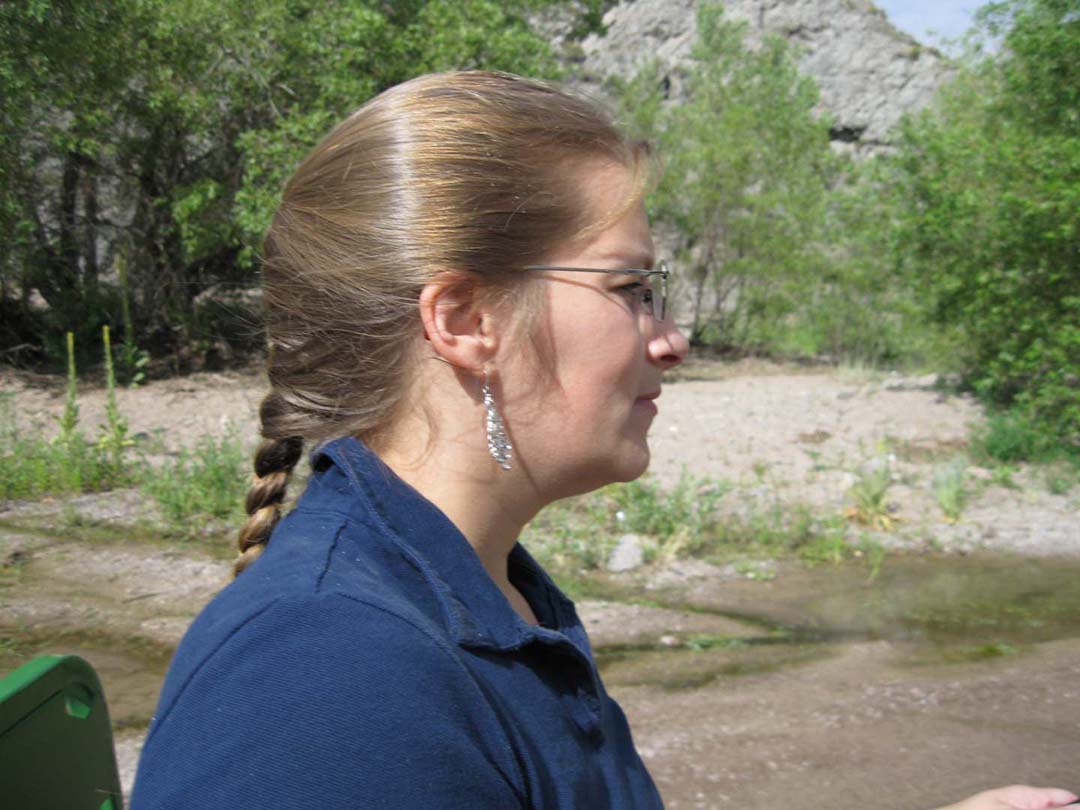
x: 948, y: 18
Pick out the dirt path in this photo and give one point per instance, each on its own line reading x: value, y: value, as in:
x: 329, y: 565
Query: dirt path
x: 865, y: 720
x: 862, y: 730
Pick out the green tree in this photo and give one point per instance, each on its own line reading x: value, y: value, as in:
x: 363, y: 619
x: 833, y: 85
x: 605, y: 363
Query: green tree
x: 160, y: 132
x: 747, y: 167
x: 62, y: 72
x: 987, y: 212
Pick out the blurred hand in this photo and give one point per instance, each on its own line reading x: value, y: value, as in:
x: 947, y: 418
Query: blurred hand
x: 1016, y: 797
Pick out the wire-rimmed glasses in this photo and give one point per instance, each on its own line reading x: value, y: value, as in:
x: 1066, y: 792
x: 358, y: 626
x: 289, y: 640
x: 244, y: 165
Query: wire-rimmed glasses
x: 648, y: 294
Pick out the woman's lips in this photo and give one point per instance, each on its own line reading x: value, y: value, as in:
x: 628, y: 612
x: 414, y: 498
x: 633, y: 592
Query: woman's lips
x: 646, y: 403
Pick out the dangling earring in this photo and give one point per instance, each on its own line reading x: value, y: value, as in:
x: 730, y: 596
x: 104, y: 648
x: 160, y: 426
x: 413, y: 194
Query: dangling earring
x: 498, y: 442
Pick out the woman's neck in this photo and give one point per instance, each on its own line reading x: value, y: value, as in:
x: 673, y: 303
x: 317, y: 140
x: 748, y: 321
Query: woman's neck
x: 490, y: 506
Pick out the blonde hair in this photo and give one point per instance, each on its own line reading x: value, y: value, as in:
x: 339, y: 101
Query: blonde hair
x: 466, y: 172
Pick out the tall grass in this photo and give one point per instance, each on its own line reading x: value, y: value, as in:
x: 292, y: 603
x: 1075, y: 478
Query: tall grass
x: 950, y: 489
x: 577, y: 536
x: 33, y: 466
x: 208, y: 481
x: 1008, y: 436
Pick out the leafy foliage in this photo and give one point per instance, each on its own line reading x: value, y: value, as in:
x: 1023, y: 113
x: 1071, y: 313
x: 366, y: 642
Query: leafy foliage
x: 209, y: 481
x: 32, y: 466
x: 158, y: 133
x: 987, y: 191
x: 746, y: 170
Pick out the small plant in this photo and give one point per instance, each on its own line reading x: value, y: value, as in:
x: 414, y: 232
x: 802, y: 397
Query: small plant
x: 564, y: 546
x: 209, y: 481
x: 870, y: 494
x: 1009, y: 436
x: 829, y: 542
x: 69, y: 418
x: 114, y: 440
x: 874, y: 554
x: 580, y: 534
x: 1061, y: 477
x: 680, y: 520
x: 950, y: 490
x: 31, y: 466
x: 1002, y: 475
x: 133, y: 360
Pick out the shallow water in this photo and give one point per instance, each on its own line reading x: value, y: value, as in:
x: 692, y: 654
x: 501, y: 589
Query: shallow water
x: 933, y: 609
x: 131, y: 670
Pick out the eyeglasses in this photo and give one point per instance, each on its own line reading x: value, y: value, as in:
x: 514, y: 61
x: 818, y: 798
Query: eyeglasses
x: 648, y: 294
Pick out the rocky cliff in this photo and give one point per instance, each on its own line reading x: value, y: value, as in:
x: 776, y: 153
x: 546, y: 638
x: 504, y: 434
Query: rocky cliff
x: 869, y: 73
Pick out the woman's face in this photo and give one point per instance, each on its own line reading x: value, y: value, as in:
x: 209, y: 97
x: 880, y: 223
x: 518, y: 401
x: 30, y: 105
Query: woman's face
x: 579, y: 408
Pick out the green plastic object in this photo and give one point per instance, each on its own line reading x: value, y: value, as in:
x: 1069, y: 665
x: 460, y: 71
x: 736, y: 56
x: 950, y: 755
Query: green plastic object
x: 56, y: 748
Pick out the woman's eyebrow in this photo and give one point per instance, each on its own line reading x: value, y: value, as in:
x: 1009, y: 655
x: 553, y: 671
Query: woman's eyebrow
x: 631, y: 260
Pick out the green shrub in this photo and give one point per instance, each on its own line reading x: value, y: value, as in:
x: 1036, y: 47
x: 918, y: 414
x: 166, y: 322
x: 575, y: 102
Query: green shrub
x: 950, y: 489
x: 643, y: 507
x: 580, y: 533
x: 33, y: 466
x: 209, y: 481
x: 1010, y: 436
x: 985, y: 220
x: 869, y: 494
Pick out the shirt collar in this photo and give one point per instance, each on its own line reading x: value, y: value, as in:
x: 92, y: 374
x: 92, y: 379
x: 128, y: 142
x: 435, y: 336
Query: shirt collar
x: 478, y: 615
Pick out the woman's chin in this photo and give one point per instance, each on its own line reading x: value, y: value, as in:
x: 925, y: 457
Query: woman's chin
x: 628, y: 466
x: 633, y: 465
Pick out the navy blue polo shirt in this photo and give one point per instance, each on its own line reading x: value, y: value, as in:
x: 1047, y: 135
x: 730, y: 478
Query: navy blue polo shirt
x: 367, y: 660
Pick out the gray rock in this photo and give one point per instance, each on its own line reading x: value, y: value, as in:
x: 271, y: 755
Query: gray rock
x: 628, y: 554
x: 869, y: 73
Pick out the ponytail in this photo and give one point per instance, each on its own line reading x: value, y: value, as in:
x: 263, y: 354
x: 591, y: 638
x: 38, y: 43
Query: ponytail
x: 274, y: 463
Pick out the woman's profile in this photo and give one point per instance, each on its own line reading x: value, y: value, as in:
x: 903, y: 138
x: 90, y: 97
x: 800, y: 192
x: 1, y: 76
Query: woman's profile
x: 466, y: 322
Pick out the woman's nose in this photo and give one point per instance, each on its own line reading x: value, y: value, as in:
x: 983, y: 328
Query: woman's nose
x: 668, y: 346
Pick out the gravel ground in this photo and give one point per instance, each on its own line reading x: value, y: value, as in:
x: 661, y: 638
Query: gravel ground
x: 771, y: 433
x: 844, y: 726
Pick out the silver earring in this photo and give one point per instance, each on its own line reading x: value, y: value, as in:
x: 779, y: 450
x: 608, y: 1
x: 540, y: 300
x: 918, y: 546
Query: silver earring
x: 498, y: 442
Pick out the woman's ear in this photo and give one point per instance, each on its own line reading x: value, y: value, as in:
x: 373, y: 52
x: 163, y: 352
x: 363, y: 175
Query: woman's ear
x: 458, y: 321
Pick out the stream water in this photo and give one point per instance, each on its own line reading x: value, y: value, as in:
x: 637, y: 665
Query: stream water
x: 933, y: 609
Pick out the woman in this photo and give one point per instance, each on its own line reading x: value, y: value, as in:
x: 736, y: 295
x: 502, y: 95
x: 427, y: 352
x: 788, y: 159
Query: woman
x: 467, y: 322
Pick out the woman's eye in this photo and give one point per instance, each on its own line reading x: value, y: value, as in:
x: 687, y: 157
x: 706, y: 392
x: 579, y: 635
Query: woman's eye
x: 638, y: 293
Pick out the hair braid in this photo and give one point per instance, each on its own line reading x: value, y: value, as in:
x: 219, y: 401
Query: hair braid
x: 274, y: 463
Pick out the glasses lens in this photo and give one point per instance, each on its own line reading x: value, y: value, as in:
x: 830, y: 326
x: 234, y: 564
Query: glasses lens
x: 663, y: 268
x: 648, y: 301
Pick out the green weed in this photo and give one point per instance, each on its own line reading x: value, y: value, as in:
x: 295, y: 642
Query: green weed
x: 579, y: 534
x: 679, y: 520
x: 32, y: 466
x: 114, y: 440
x: 1061, y: 477
x: 874, y: 554
x: 209, y: 481
x: 1010, y: 436
x: 950, y: 489
x: 133, y: 360
x: 870, y: 495
x: 1002, y: 476
x: 69, y: 418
